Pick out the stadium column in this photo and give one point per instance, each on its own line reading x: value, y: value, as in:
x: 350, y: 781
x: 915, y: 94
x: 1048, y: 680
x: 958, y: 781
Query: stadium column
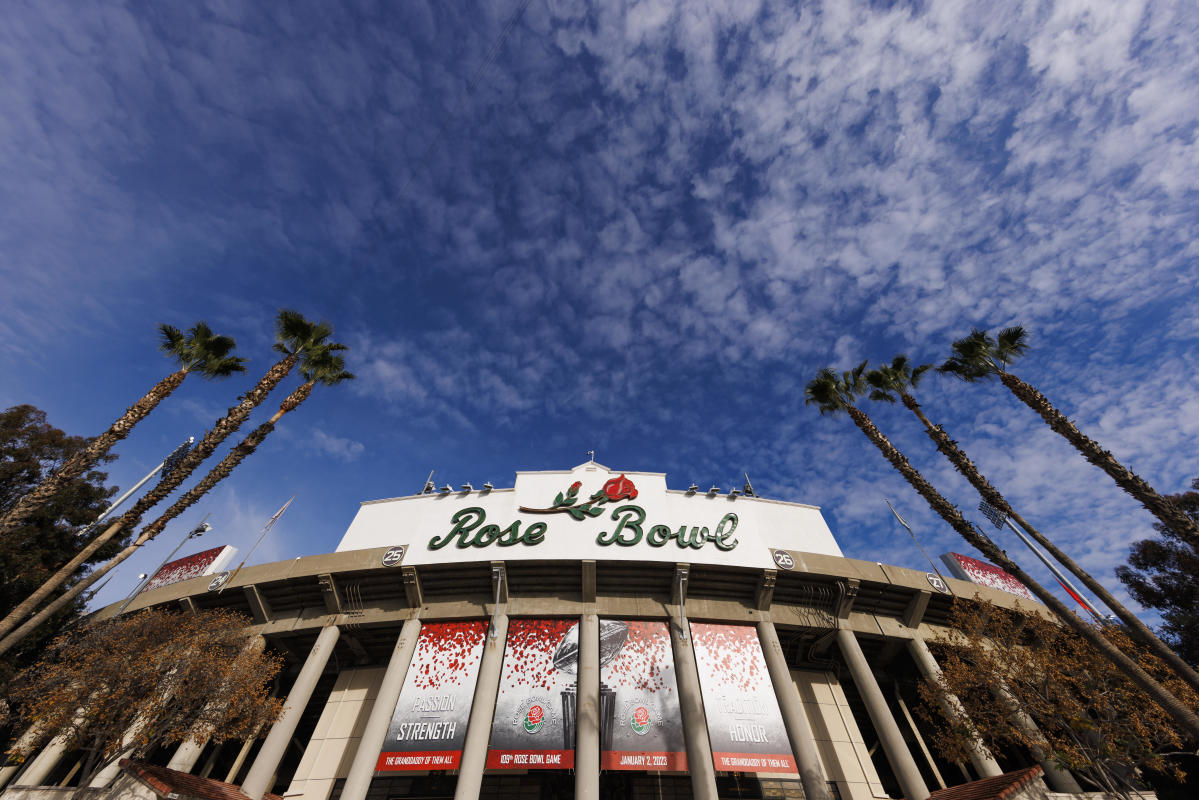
x: 362, y: 769
x: 189, y: 750
x: 695, y: 721
x: 980, y: 757
x: 28, y: 739
x: 587, y: 724
x: 799, y: 729
x: 478, y: 730
x: 262, y: 772
x: 898, y: 755
x: 44, y: 762
x: 1059, y: 780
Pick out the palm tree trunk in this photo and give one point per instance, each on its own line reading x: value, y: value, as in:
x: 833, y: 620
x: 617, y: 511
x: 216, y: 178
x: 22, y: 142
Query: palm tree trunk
x: 215, y: 476
x: 1137, y: 629
x: 220, y: 431
x: 77, y: 464
x: 239, y: 453
x: 1186, y: 719
x: 1161, y: 507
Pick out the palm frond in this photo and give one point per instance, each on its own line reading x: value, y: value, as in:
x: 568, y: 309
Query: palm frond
x: 832, y: 392
x: 294, y: 334
x: 973, y: 357
x: 172, y: 341
x: 1010, y: 344
x: 321, y: 365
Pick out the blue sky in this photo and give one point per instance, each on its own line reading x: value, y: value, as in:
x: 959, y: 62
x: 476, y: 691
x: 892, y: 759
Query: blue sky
x: 547, y: 227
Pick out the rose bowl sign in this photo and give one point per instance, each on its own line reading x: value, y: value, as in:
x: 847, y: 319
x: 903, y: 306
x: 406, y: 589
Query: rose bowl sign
x: 591, y: 513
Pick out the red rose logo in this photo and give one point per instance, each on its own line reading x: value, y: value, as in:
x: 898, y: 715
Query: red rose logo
x: 620, y: 489
x: 535, y: 714
x: 641, y: 715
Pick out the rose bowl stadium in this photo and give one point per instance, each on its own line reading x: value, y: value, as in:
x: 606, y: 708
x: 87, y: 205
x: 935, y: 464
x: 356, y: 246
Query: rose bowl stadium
x: 586, y: 633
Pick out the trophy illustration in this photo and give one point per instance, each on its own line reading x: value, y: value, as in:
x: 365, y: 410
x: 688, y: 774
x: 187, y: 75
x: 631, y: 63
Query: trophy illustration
x: 613, y: 634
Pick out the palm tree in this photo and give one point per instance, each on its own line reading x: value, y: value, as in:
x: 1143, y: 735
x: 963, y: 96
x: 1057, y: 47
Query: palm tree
x: 294, y: 336
x: 199, y: 350
x: 833, y: 393
x: 899, y: 378
x: 980, y: 357
x: 320, y: 365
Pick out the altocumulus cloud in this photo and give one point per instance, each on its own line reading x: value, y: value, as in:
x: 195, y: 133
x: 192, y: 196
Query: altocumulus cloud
x: 650, y: 221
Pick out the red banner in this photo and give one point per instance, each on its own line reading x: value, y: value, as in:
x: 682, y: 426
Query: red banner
x: 753, y: 762
x: 434, y: 759
x: 662, y: 761
x: 530, y: 759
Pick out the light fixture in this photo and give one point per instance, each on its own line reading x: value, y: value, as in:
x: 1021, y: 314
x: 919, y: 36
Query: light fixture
x: 734, y: 492
x: 466, y: 487
x: 715, y: 490
x: 446, y: 489
x: 693, y: 488
x: 487, y: 487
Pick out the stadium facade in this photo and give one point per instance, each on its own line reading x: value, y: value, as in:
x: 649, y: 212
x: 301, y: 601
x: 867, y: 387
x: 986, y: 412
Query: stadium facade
x: 586, y: 633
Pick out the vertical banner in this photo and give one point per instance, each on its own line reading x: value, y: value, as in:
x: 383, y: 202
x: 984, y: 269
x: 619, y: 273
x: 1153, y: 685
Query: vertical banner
x: 534, y: 723
x: 744, y: 723
x: 428, y: 727
x: 641, y: 727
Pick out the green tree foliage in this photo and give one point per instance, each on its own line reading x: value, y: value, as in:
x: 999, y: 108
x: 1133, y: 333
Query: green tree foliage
x: 1163, y: 574
x: 31, y: 449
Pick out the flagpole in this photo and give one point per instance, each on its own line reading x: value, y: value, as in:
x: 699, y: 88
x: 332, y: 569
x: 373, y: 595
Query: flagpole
x: 270, y: 523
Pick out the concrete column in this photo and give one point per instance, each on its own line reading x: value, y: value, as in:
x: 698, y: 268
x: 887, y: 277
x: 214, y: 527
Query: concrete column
x: 587, y: 721
x: 110, y: 772
x: 1059, y: 780
x: 799, y: 728
x: 695, y: 721
x: 43, y: 763
x: 262, y: 771
x: 242, y: 754
x: 898, y: 755
x: 27, y: 740
x: 367, y: 756
x: 482, y: 709
x: 186, y: 755
x: 190, y: 749
x: 980, y: 757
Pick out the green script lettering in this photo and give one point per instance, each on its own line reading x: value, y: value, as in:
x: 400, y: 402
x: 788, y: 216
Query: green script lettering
x: 469, y: 531
x: 723, y: 534
x: 659, y: 535
x: 465, y: 521
x: 628, y: 531
x: 696, y: 539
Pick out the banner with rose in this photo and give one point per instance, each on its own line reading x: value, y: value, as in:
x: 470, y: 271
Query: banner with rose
x: 641, y: 727
x: 428, y: 727
x: 534, y: 722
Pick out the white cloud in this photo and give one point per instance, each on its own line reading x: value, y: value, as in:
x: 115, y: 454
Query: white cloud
x: 337, y: 447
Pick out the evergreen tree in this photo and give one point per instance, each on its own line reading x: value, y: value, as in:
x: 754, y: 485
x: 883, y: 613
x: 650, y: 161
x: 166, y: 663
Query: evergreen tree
x: 1163, y: 574
x: 31, y: 449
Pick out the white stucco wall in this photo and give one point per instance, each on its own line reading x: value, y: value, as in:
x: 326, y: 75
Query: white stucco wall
x: 842, y: 749
x: 337, y: 733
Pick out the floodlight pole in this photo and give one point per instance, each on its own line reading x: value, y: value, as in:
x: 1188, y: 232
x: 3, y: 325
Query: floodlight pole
x: 199, y: 530
x: 999, y: 519
x: 181, y: 449
x: 1057, y: 573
